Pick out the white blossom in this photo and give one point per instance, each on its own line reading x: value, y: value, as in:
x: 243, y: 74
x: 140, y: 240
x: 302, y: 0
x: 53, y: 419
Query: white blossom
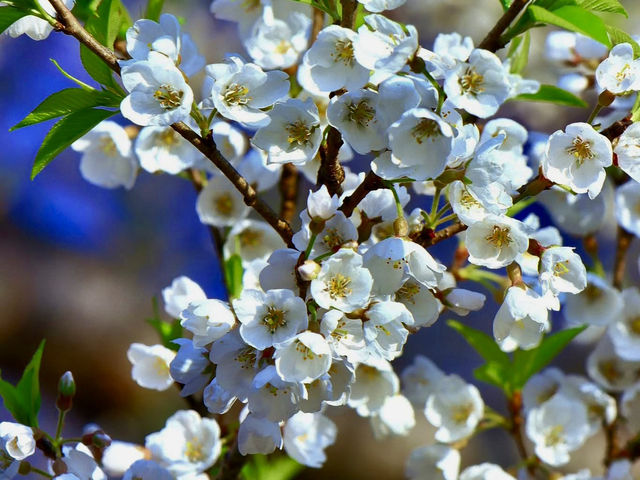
x: 180, y: 294
x: 306, y: 435
x: 304, y: 358
x: 164, y: 149
x: 151, y: 365
x: 34, y: 27
x: 628, y: 151
x: 147, y: 470
x: 220, y: 204
x: 521, y: 320
x: 495, y: 242
x: 257, y: 435
x: 619, y: 72
x: 433, y: 462
x: 208, y: 320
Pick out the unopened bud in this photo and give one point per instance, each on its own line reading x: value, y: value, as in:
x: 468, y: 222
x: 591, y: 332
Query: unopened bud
x: 97, y: 439
x: 66, y: 392
x: 606, y: 98
x: 59, y: 467
x: 316, y: 225
x: 309, y: 270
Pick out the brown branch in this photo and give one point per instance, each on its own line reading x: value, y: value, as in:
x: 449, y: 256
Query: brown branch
x: 427, y: 237
x: 493, y: 41
x: 231, y: 464
x: 69, y: 24
x: 331, y: 172
x: 316, y: 25
x: 370, y: 183
x: 289, y: 182
x: 207, y: 146
x: 349, y: 9
x: 623, y: 241
x: 517, y: 422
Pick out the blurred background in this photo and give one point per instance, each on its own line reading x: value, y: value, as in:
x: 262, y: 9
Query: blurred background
x: 79, y: 265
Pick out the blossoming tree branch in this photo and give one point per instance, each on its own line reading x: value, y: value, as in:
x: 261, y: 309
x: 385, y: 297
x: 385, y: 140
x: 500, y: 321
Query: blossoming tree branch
x: 315, y: 314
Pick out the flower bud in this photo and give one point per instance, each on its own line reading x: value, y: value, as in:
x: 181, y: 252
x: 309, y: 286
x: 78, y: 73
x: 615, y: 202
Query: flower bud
x: 606, y: 98
x: 309, y: 270
x: 66, y: 392
x: 400, y: 227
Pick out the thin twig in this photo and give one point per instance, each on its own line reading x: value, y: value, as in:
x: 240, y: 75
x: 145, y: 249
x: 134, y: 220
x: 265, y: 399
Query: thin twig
x: 493, y: 41
x: 349, y: 9
x: 316, y: 25
x: 370, y: 183
x: 232, y: 464
x: 207, y: 146
x: 331, y: 172
x: 623, y: 241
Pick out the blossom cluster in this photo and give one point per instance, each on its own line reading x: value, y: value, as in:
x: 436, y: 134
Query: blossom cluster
x: 317, y: 321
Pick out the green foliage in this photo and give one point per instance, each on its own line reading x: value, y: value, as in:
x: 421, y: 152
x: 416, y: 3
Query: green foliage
x: 66, y: 102
x: 574, y: 19
x: 10, y: 15
x: 233, y: 273
x: 154, y: 9
x: 618, y: 36
x: 511, y: 374
x: 553, y: 94
x: 105, y: 25
x: 635, y: 111
x: 260, y: 467
x: 65, y: 132
x: 23, y: 400
x: 168, y: 331
x: 612, y: 6
x: 327, y: 6
x: 505, y: 4
x: 519, y: 52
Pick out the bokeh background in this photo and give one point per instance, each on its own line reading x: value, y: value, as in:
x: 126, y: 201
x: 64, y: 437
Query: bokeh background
x: 79, y: 265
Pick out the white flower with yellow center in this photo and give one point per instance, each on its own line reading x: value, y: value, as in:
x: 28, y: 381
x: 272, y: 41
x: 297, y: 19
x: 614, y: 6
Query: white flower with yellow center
x: 619, y: 72
x: 269, y: 318
x: 151, y: 365
x: 163, y: 149
x: 384, y: 332
x: 293, y: 134
x: 273, y: 398
x: 562, y: 270
x: 188, y: 444
x: 306, y: 435
x: 420, y: 301
x: 337, y: 231
x: 241, y: 90
x: 236, y: 364
x: 107, y: 157
x: 343, y: 282
x: 628, y: 151
x: 557, y: 427
x: 433, y: 462
x: 208, y: 320
x: 17, y: 441
x: 158, y: 92
x: 598, y: 304
x: 625, y: 330
x: 220, y: 204
x: 608, y: 369
x: 454, y: 408
x: 330, y: 62
x: 577, y: 158
x: 521, y: 320
x: 356, y: 115
x: 419, y: 380
x: 252, y: 240
x: 278, y: 43
x: 345, y: 335
x: 479, y: 86
x: 374, y: 382
x: 495, y: 242
x: 304, y: 358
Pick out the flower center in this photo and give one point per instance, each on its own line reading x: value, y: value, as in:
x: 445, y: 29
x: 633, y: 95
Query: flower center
x: 407, y: 292
x: 461, y: 413
x: 283, y: 47
x: 246, y: 358
x: 161, y: 367
x: 194, y: 450
x: 274, y: 319
x: 360, y: 113
x: 343, y: 52
x: 623, y: 73
x: 499, y: 236
x: 554, y: 435
x: 634, y: 325
x: 332, y: 238
x: 250, y: 5
x: 426, y: 128
x: 581, y: 150
x: 224, y: 204
x: 305, y: 352
x: 592, y: 293
x: 609, y: 370
x: 168, y: 137
x: 299, y: 133
x: 168, y: 97
x: 236, y: 95
x: 467, y: 200
x: 250, y: 237
x: 471, y: 82
x: 107, y: 146
x: 561, y: 268
x: 338, y: 286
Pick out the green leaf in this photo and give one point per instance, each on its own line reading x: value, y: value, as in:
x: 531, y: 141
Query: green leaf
x: 529, y: 362
x: 495, y: 373
x: 168, y: 331
x: 23, y: 400
x: 519, y: 52
x: 260, y: 467
x: 154, y: 9
x: 635, y: 110
x: 618, y: 36
x: 573, y: 18
x: 485, y: 345
x: 505, y: 4
x: 233, y: 273
x: 10, y: 15
x: 612, y: 6
x: 65, y: 132
x: 68, y: 101
x: 552, y: 94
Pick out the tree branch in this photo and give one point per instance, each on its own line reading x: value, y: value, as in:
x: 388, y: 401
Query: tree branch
x: 289, y: 182
x: 71, y: 26
x: 349, y: 9
x: 492, y: 41
x: 331, y: 172
x: 623, y: 241
x: 370, y: 183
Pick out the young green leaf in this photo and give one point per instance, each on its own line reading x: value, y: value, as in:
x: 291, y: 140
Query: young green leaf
x: 233, y: 273
x: 529, y: 362
x: 23, y: 400
x: 10, y: 15
x: 573, y: 18
x: 635, y: 110
x: 68, y: 101
x: 519, y: 52
x: 552, y: 94
x: 496, y: 374
x: 611, y: 6
x: 154, y: 9
x: 65, y: 132
x: 505, y: 4
x: 260, y: 467
x: 618, y: 36
x: 485, y: 345
x: 168, y: 331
